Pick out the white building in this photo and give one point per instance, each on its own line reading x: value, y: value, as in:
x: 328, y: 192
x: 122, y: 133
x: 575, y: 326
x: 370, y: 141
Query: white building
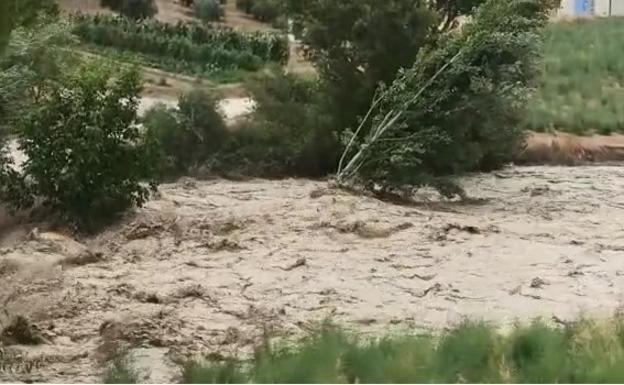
x: 580, y: 8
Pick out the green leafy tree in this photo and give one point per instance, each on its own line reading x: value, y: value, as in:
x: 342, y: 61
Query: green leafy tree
x: 266, y: 10
x: 24, y: 13
x: 132, y: 9
x: 358, y: 44
x: 459, y: 107
x: 288, y: 133
x: 29, y: 13
x: 33, y: 60
x: 208, y: 10
x: 86, y: 157
x: 188, y: 135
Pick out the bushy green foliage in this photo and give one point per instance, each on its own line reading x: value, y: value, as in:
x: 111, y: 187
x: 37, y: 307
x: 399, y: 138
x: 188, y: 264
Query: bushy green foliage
x: 189, y: 45
x: 208, y: 10
x: 86, y: 158
x: 120, y: 371
x: 357, y: 44
x: 226, y: 373
x: 188, y: 135
x: 245, y: 5
x: 133, y: 9
x: 469, y: 117
x: 580, y: 90
x: 472, y: 352
x: 33, y: 60
x: 29, y: 13
x: 468, y: 354
x: 24, y: 14
x: 266, y: 10
x: 536, y: 353
x: 288, y: 134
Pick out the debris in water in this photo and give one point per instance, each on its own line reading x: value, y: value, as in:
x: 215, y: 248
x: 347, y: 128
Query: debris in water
x: 538, y: 283
x: 300, y: 263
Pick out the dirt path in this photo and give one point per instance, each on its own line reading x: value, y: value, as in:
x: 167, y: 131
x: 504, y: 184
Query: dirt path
x: 208, y: 266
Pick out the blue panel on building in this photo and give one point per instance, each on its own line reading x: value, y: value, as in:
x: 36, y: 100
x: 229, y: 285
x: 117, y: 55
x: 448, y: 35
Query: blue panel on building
x: 582, y: 7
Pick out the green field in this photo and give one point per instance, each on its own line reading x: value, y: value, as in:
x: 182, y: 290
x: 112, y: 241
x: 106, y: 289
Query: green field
x: 220, y: 54
x: 582, y: 89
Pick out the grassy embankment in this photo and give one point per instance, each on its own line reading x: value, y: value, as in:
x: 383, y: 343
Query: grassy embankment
x: 580, y: 352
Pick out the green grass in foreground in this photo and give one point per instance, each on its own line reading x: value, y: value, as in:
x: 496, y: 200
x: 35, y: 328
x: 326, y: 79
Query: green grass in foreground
x: 582, y: 352
x: 582, y: 89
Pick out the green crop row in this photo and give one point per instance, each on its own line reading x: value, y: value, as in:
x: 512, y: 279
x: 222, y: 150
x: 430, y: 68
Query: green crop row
x: 191, y: 44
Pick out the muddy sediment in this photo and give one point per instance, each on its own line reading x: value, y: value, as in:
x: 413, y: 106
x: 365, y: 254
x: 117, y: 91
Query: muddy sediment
x: 208, y: 267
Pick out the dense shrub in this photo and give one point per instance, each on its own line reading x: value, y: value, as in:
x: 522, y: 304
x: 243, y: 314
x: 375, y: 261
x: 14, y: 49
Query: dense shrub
x: 28, y: 13
x: 85, y: 156
x: 25, y: 14
x: 357, y: 44
x: 208, y: 10
x: 288, y: 134
x: 120, y: 371
x: 468, y: 117
x: 266, y: 10
x: 34, y: 58
x: 190, y: 45
x: 198, y: 114
x: 188, y: 135
x: 245, y: 5
x: 133, y: 9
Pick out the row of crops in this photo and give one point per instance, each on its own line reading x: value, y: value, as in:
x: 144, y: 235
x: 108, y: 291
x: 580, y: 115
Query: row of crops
x: 194, y: 47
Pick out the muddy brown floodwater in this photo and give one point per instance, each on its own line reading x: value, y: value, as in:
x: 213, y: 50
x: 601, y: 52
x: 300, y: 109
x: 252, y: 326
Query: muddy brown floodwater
x: 206, y: 267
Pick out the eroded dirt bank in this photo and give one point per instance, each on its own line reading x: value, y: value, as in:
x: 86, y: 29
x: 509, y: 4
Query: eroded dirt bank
x: 207, y: 266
